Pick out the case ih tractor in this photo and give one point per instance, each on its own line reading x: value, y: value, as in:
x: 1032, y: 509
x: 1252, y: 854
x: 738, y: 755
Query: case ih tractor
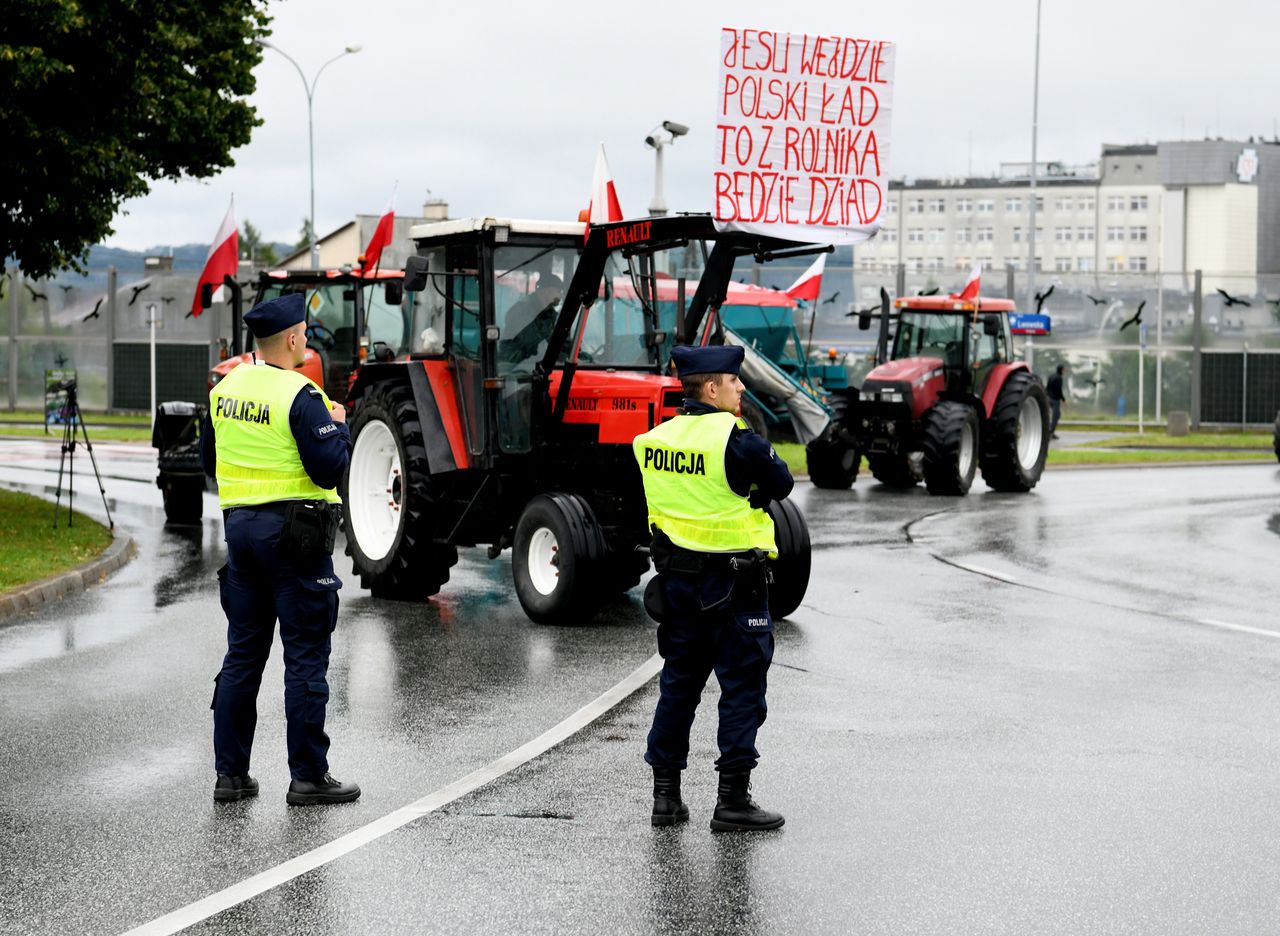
x: 544, y: 355
x: 948, y: 399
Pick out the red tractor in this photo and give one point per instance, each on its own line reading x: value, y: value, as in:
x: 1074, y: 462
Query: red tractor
x: 543, y: 356
x: 947, y: 399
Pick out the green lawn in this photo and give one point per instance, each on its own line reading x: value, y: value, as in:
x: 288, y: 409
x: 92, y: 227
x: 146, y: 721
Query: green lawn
x: 30, y: 549
x: 96, y: 433
x: 1240, y: 440
x: 1088, y: 456
x: 92, y: 419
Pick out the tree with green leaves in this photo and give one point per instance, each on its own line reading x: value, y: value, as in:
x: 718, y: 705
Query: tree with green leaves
x: 253, y: 249
x: 101, y: 100
x: 304, y: 237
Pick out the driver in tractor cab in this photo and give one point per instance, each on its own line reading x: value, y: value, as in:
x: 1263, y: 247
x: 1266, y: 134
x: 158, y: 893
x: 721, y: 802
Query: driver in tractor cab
x: 708, y: 480
x: 531, y: 320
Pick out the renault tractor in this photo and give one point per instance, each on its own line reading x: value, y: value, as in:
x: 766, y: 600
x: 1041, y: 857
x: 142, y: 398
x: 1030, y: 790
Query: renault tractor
x: 545, y: 351
x: 947, y: 399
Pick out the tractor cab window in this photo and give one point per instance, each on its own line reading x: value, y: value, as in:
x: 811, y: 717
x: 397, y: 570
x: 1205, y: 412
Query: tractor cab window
x: 987, y: 350
x: 430, y: 320
x: 930, y: 334
x: 390, y: 325
x: 528, y: 292
x: 462, y: 296
x: 331, y: 320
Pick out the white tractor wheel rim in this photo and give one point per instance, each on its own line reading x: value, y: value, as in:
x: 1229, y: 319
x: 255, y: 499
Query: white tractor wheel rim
x: 544, y: 561
x: 1030, y: 433
x: 375, y: 490
x: 966, y: 449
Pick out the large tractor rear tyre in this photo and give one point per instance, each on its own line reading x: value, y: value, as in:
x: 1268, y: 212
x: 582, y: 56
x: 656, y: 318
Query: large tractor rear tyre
x: 558, y: 560
x: 950, y: 448
x: 1275, y: 437
x: 1015, y: 440
x: 791, y: 568
x: 894, y: 470
x: 392, y: 519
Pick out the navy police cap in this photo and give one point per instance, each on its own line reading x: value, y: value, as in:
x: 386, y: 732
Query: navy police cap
x: 271, y: 318
x: 711, y: 359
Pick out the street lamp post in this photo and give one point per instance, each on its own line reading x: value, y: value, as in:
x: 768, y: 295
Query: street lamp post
x: 310, y: 88
x: 659, y: 138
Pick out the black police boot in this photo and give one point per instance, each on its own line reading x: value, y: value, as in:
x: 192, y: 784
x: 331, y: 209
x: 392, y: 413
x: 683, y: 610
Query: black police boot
x: 328, y: 790
x: 736, y: 811
x: 229, y: 789
x: 667, y: 806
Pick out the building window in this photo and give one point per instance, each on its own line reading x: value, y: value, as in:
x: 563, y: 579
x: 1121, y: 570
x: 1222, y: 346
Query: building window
x: 1039, y: 203
x: 962, y: 264
x: 964, y: 235
x: 937, y: 206
x: 986, y: 235
x: 987, y: 263
x: 1137, y: 264
x: 888, y: 235
x: 892, y: 207
x: 1062, y: 234
x: 915, y: 206
x: 1017, y: 235
x: 1064, y: 204
x: 1015, y: 262
x: 1115, y: 264
x: 1013, y: 204
x: 1115, y: 234
x: 1084, y: 234
x: 986, y: 205
x: 934, y: 264
x: 1062, y: 264
x: 1138, y: 203
x: 1087, y: 203
x: 1084, y: 264
x: 868, y: 263
x: 937, y: 235
x: 913, y: 264
x: 964, y: 205
x: 1137, y: 233
x: 1115, y: 203
x: 915, y: 235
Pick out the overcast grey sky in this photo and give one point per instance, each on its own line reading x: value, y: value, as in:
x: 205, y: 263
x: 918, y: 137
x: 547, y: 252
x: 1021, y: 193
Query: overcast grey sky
x: 498, y: 106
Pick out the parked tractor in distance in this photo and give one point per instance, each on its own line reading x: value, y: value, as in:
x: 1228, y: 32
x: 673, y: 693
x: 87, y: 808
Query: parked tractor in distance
x: 542, y: 357
x: 947, y: 399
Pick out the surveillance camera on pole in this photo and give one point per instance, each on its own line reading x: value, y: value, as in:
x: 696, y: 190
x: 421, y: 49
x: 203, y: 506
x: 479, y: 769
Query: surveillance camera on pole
x: 658, y: 138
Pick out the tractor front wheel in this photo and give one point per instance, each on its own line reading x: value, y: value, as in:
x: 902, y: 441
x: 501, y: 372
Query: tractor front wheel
x: 833, y: 458
x: 950, y: 448
x: 791, y: 568
x: 1015, y: 440
x: 894, y: 469
x: 392, y: 518
x: 183, y: 501
x: 558, y: 560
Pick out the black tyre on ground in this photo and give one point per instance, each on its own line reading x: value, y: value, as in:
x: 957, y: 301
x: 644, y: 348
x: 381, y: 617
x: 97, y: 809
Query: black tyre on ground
x: 833, y: 458
x: 183, y: 502
x: 791, y: 568
x: 558, y: 560
x: 754, y: 417
x: 950, y: 447
x: 893, y: 470
x: 391, y: 520
x: 1015, y: 440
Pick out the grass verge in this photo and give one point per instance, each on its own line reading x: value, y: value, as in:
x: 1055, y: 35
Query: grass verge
x: 30, y: 549
x: 96, y: 433
x: 92, y: 419
x: 1234, y: 440
x: 1087, y: 456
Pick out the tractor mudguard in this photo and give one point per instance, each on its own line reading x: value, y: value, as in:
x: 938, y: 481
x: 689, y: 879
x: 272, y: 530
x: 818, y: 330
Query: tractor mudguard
x: 995, y: 383
x: 442, y: 432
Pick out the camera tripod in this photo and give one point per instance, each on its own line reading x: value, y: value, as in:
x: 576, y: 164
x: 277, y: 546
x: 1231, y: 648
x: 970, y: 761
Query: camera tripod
x: 71, y: 413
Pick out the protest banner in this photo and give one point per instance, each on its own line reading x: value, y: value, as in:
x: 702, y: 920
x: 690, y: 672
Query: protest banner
x: 802, y: 135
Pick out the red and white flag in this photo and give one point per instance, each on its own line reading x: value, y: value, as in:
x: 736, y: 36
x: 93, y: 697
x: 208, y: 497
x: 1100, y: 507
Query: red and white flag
x: 223, y: 258
x: 810, y: 281
x: 604, y: 205
x: 971, y: 285
x: 381, y: 236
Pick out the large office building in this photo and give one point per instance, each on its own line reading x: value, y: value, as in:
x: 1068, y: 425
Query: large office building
x: 1212, y: 205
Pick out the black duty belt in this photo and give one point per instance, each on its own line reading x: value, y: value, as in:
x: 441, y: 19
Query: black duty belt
x: 694, y: 563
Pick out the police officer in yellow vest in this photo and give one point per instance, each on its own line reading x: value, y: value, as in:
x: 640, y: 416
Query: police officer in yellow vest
x: 278, y: 447
x: 707, y: 481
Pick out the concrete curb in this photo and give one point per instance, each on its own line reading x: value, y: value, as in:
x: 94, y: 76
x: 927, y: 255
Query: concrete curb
x: 94, y: 572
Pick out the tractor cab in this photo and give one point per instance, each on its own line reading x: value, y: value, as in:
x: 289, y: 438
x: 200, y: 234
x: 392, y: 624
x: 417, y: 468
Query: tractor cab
x: 350, y: 317
x: 542, y: 350
x: 966, y: 339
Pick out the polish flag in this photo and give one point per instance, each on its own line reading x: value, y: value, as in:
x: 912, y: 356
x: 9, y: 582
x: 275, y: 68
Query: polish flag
x: 381, y: 236
x: 971, y: 285
x: 223, y: 258
x: 810, y: 281
x: 604, y: 205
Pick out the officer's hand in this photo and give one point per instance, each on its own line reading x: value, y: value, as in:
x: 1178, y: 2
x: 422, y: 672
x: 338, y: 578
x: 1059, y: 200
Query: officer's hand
x: 338, y: 412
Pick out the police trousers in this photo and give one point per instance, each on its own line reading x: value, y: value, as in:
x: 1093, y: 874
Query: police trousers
x: 260, y: 584
x: 718, y: 621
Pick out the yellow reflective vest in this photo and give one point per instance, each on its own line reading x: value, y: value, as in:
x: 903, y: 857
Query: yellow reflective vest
x: 688, y: 495
x: 258, y: 460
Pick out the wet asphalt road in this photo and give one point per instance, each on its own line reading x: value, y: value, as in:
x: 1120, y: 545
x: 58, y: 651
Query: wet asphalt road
x: 1004, y: 714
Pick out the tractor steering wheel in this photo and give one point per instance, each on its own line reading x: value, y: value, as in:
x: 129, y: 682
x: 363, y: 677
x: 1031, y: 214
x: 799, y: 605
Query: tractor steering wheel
x: 321, y: 335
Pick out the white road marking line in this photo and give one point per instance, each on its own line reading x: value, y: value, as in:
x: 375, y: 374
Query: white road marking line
x: 308, y: 861
x: 1242, y: 628
x: 982, y: 570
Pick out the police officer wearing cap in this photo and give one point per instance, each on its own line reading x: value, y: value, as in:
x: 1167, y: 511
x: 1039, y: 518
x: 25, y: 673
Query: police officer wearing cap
x: 278, y: 447
x: 708, y: 480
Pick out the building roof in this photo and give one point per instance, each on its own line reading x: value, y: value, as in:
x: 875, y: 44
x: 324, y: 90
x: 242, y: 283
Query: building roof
x: 515, y: 225
x: 1131, y: 149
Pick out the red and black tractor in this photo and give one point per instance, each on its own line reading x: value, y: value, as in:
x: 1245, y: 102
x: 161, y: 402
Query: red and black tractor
x: 947, y: 399
x: 544, y: 354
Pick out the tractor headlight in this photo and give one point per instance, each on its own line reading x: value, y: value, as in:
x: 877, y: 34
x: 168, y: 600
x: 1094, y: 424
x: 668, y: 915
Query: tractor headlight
x: 867, y: 396
x: 214, y: 377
